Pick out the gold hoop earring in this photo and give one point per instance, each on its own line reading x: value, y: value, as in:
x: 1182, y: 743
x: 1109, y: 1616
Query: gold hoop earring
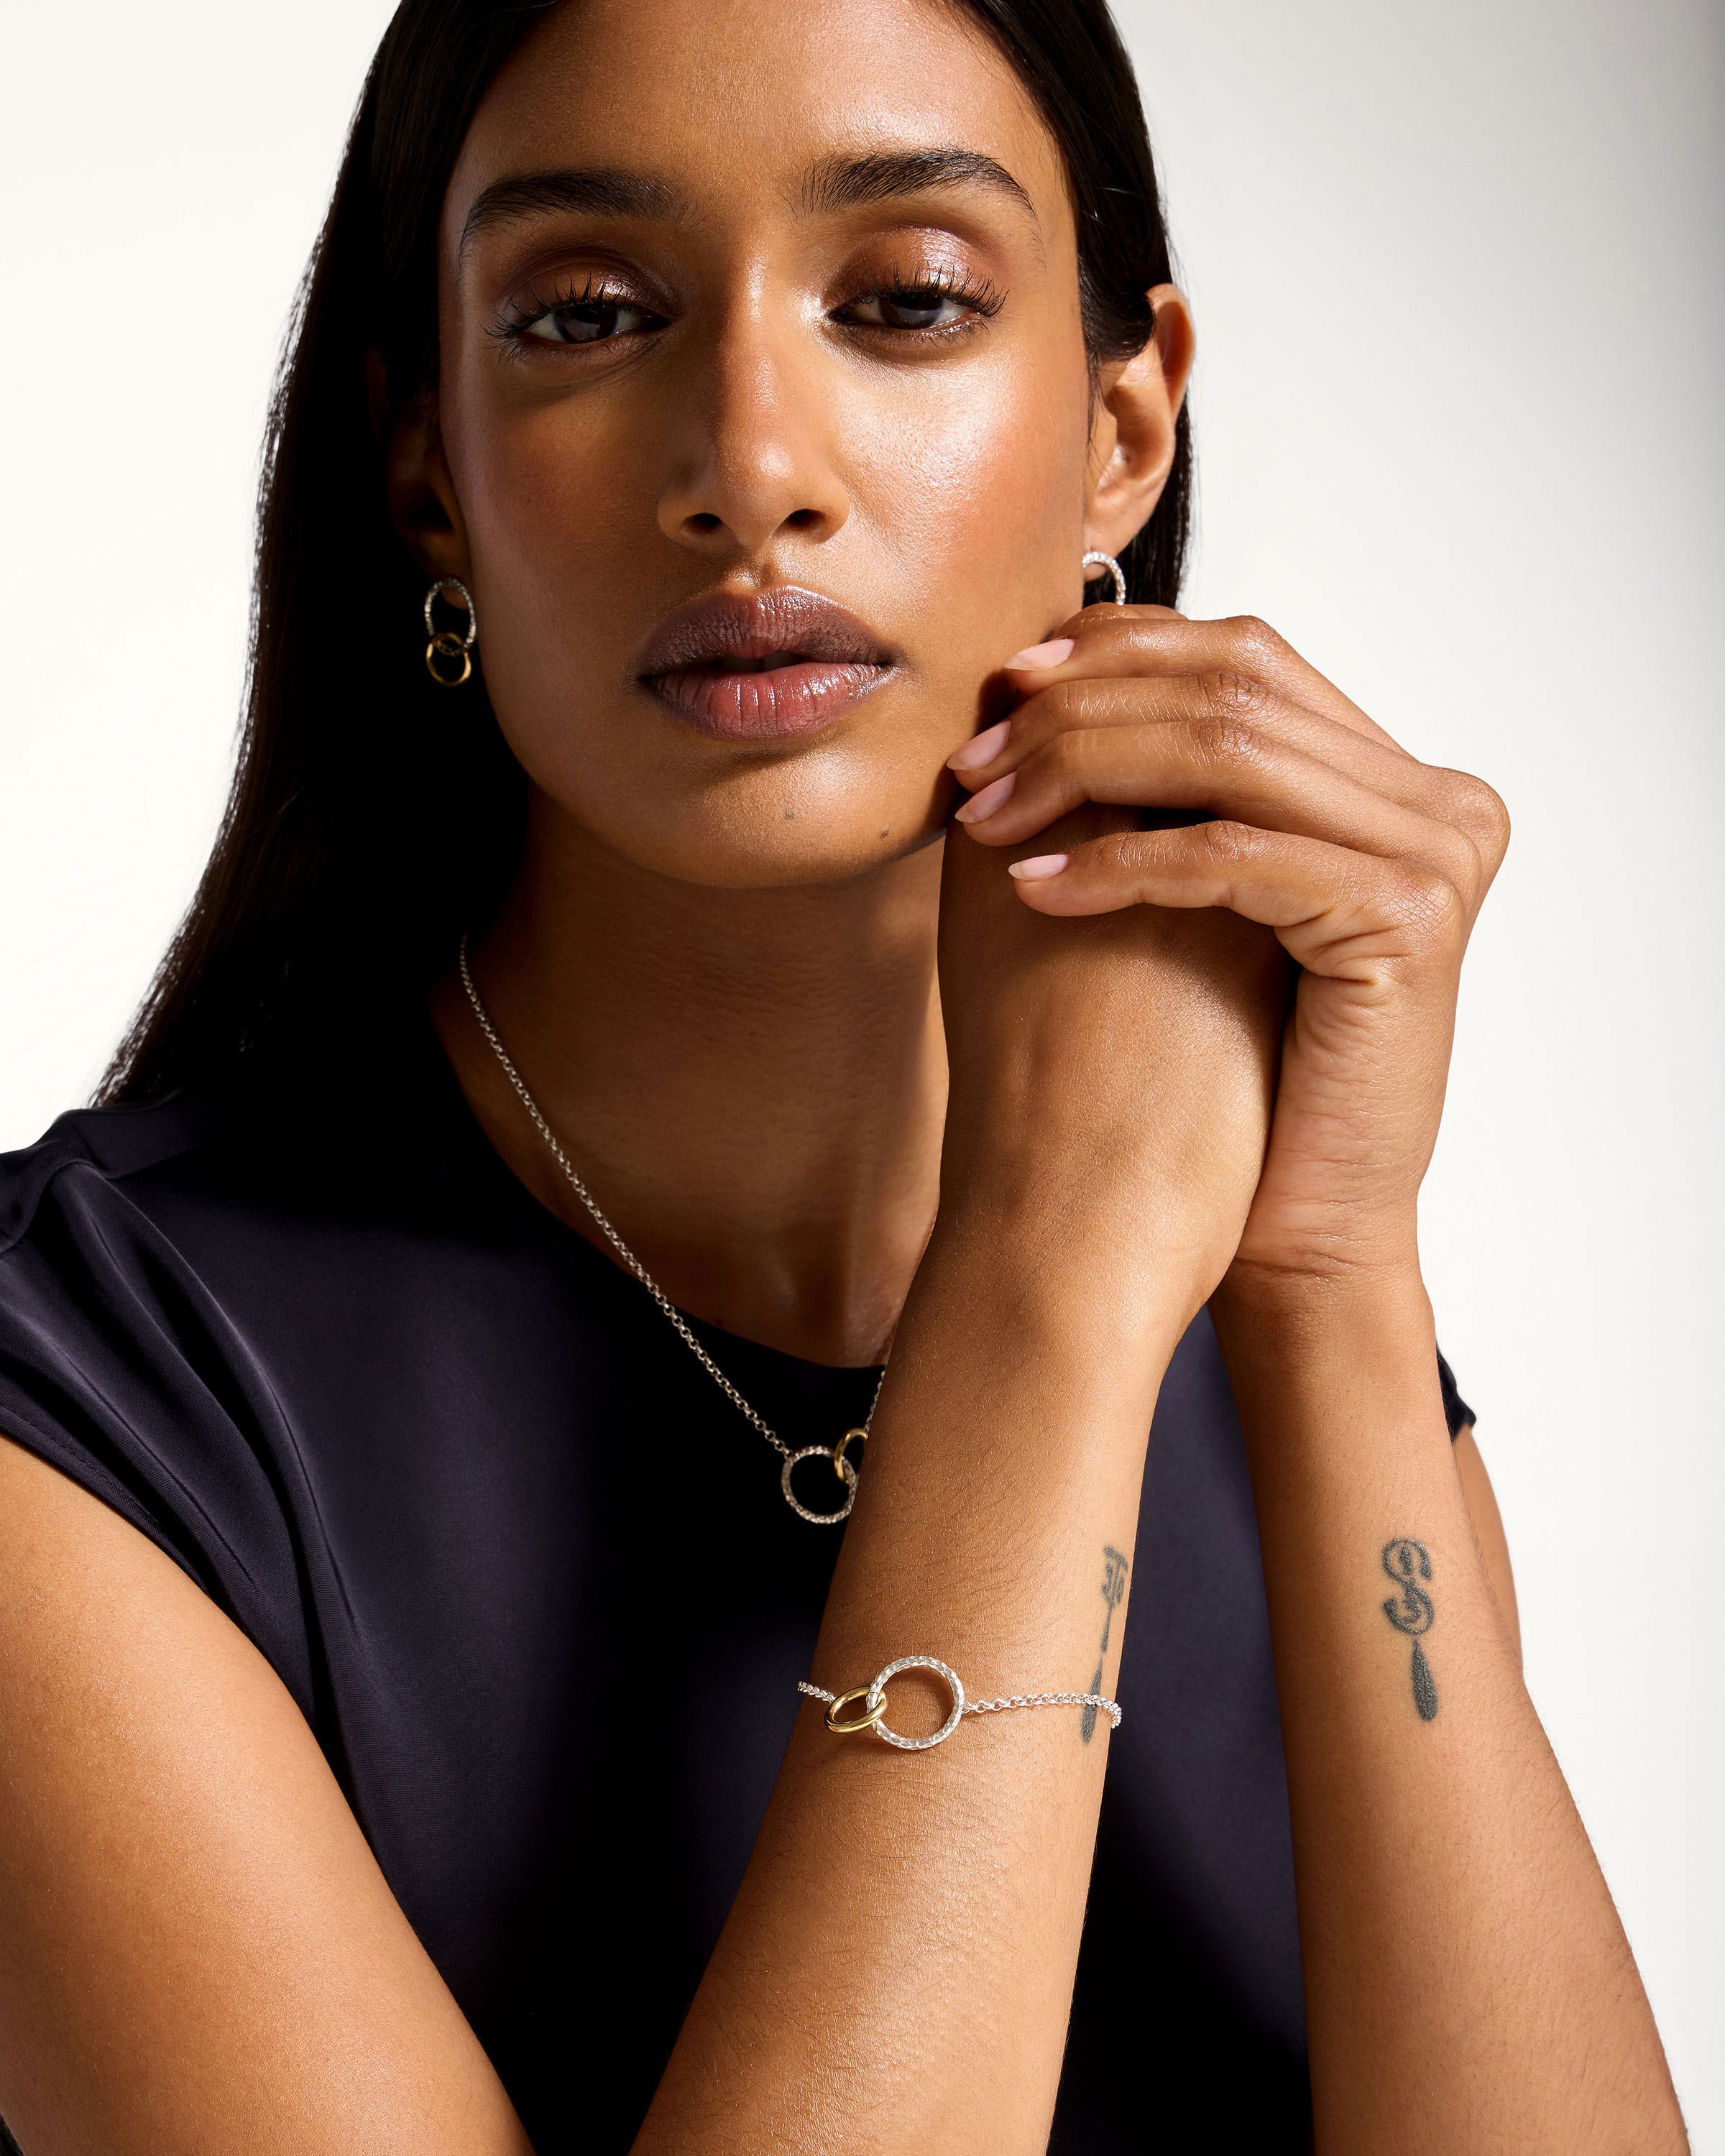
x: 1107, y: 563
x: 448, y: 646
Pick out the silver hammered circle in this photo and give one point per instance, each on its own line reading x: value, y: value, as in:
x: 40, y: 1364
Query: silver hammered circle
x: 949, y: 1677
x: 452, y: 584
x: 818, y: 1452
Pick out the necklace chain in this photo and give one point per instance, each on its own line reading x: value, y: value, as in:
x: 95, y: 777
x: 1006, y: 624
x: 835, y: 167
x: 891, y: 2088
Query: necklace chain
x: 674, y: 1315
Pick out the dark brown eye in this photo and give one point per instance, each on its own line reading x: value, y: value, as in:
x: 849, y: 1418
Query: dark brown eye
x: 587, y: 322
x: 915, y: 307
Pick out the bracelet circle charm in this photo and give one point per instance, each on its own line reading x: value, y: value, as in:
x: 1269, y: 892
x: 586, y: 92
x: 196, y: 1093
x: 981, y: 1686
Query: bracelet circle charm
x: 876, y: 1697
x: 868, y: 1719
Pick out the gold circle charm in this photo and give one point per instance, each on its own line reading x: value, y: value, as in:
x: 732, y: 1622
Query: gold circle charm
x: 847, y: 1475
x: 843, y: 1446
x: 870, y: 1717
x: 446, y: 647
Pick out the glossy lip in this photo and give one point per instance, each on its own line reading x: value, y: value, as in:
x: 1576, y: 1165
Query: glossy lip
x: 835, y: 661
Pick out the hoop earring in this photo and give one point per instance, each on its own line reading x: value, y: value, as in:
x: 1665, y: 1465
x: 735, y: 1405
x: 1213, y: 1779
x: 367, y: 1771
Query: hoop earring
x: 447, y: 645
x: 1108, y: 562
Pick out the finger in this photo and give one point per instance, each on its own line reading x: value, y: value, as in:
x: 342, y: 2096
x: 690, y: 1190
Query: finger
x: 1456, y: 798
x: 1345, y: 914
x: 1224, y: 770
x: 1111, y: 640
x: 1048, y: 654
x: 1135, y: 700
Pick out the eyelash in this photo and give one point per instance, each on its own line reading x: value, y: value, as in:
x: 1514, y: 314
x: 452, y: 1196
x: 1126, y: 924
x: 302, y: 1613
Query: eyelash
x: 513, y: 326
x: 979, y: 296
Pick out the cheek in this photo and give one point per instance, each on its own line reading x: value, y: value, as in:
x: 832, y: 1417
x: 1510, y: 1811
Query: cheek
x: 976, y: 488
x: 560, y: 522
x: 571, y: 572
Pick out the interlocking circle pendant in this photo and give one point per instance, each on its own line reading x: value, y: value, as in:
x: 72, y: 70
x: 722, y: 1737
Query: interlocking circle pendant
x: 847, y: 1475
x: 834, y: 1455
x: 875, y: 1698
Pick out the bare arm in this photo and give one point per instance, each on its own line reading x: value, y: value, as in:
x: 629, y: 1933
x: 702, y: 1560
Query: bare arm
x: 897, y: 1971
x: 1451, y: 1909
x: 198, y: 1950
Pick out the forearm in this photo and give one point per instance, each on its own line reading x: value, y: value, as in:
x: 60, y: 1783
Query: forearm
x: 1468, y: 1985
x: 897, y: 1971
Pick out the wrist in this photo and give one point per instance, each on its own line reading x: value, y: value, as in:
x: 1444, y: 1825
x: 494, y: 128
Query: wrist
x: 1325, y: 1308
x: 1070, y: 1264
x: 1341, y: 1365
x: 1359, y: 1267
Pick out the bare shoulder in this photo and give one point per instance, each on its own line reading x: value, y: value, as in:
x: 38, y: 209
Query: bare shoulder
x: 1488, y: 1529
x: 196, y: 1946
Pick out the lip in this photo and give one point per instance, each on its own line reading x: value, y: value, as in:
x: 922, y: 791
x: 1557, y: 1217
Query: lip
x: 689, y: 663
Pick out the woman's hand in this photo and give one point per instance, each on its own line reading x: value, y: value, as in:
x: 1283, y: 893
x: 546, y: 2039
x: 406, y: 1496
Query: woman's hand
x: 1111, y: 1082
x: 1368, y: 866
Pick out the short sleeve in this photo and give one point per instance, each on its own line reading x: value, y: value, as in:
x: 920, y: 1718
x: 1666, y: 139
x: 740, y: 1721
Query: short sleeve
x: 118, y: 1366
x: 1456, y: 1411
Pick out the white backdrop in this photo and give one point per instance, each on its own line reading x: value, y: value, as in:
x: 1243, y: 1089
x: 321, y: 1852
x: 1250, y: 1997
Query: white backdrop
x: 1458, y: 279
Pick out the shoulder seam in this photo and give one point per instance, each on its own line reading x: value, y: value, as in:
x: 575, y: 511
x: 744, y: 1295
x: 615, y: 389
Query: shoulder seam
x: 51, y: 1176
x: 64, y: 1148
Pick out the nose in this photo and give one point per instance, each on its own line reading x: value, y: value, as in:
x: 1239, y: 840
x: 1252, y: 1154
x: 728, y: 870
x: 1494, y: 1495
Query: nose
x: 752, y: 452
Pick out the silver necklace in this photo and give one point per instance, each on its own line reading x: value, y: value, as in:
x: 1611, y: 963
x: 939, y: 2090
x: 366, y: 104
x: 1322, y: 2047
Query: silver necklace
x: 835, y: 1455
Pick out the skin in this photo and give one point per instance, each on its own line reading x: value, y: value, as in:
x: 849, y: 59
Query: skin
x: 850, y: 1083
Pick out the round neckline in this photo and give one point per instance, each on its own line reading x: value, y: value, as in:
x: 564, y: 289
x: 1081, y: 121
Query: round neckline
x: 468, y: 1137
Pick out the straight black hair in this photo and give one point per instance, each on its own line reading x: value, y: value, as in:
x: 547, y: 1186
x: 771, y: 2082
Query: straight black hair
x: 372, y: 816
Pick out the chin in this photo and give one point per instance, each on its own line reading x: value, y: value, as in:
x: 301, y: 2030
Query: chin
x: 773, y: 825
x: 778, y: 857
x: 657, y: 798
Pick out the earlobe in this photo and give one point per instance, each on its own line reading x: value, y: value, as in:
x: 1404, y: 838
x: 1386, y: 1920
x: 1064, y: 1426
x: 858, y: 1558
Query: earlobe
x: 421, y: 495
x: 1133, y: 436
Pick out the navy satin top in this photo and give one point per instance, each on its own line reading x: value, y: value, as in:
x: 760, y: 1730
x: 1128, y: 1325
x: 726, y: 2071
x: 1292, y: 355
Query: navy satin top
x: 449, y: 1469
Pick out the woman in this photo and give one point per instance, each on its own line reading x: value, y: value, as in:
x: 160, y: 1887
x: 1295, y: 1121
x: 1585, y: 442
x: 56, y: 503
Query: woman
x: 399, y: 1675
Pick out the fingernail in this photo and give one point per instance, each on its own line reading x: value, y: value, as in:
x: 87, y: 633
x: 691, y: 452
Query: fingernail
x: 1054, y: 654
x: 1038, y: 867
x: 986, y: 800
x: 982, y: 748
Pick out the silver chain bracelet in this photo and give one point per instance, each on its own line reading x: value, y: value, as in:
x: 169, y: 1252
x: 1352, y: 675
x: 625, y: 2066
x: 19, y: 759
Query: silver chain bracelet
x: 873, y: 1696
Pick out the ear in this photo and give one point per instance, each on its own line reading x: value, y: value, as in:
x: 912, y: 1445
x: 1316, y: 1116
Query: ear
x: 1132, y: 434
x: 421, y: 495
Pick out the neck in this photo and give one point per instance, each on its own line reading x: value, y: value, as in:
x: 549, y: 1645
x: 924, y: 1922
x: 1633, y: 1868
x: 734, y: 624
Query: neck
x: 751, y: 1083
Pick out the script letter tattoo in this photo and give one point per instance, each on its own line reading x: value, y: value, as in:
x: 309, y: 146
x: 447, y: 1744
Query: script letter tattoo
x: 1410, y: 1611
x: 1115, y: 1569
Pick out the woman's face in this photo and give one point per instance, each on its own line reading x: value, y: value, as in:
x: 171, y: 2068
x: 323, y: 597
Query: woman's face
x: 760, y: 339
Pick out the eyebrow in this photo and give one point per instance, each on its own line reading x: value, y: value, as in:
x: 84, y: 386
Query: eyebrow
x: 591, y: 190
x: 837, y: 182
x: 851, y: 183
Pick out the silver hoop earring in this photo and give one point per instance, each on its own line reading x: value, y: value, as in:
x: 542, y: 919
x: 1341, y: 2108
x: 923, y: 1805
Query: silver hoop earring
x: 448, y: 647
x: 1106, y: 561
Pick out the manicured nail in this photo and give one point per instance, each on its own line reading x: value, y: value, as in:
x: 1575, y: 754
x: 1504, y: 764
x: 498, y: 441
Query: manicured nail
x: 1054, y: 654
x: 982, y: 748
x: 1039, y: 866
x: 986, y: 800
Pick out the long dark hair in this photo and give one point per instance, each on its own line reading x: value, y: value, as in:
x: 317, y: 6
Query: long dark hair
x: 372, y: 815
